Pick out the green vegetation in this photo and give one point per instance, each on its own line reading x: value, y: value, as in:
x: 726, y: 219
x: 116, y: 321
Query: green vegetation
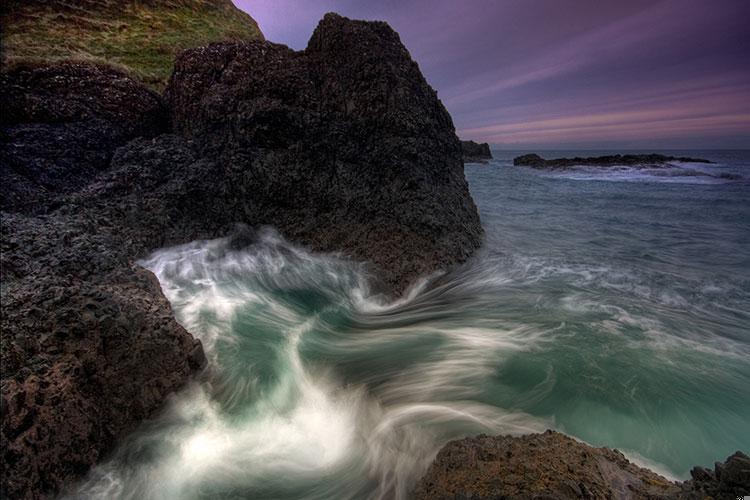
x: 140, y: 36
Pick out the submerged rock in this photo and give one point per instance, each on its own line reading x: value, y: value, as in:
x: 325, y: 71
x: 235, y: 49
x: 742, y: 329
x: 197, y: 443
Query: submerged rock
x: 343, y: 147
x: 475, y: 152
x: 552, y: 465
x: 646, y: 160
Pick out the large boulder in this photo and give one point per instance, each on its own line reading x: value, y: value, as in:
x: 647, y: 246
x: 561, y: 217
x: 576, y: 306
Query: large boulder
x: 343, y: 146
x: 729, y: 479
x: 89, y: 347
x: 548, y: 465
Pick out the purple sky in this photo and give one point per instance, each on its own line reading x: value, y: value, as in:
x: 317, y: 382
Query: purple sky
x: 575, y: 73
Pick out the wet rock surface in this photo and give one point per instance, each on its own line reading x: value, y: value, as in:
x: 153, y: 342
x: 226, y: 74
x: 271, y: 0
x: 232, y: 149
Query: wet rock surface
x: 645, y: 160
x: 552, y: 465
x: 343, y: 147
x: 475, y: 152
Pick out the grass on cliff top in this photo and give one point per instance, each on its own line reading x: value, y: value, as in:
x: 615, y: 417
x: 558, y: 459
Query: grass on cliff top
x: 141, y: 37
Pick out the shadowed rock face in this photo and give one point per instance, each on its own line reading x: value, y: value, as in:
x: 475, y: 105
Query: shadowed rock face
x: 475, y: 152
x: 552, y: 465
x: 343, y: 147
x: 60, y: 126
x: 730, y: 479
x: 89, y: 345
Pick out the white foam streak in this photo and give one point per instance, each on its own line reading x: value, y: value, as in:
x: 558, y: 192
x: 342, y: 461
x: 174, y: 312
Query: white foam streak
x: 364, y: 302
x: 283, y: 409
x: 295, y: 422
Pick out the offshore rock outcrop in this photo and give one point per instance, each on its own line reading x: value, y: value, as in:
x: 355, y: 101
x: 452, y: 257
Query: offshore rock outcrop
x: 343, y: 147
x: 645, y: 160
x: 475, y: 152
x: 552, y: 465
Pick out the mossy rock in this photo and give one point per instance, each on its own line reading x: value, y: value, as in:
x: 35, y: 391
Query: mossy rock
x: 139, y: 36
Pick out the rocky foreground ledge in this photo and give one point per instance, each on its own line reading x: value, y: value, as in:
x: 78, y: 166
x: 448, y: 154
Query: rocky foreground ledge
x: 343, y: 147
x: 646, y: 160
x: 554, y: 466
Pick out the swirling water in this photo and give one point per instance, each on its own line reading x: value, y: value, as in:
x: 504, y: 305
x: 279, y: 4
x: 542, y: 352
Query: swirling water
x: 611, y: 305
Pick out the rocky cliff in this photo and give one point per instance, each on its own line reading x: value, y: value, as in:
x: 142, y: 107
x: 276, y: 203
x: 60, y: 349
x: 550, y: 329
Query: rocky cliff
x: 475, y: 152
x: 343, y: 147
x: 552, y: 465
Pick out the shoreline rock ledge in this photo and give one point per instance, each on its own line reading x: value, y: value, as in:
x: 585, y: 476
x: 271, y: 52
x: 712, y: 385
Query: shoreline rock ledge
x: 343, y: 147
x: 554, y: 466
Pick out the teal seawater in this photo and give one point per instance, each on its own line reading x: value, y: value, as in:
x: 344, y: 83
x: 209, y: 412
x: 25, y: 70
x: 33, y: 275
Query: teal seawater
x: 611, y: 305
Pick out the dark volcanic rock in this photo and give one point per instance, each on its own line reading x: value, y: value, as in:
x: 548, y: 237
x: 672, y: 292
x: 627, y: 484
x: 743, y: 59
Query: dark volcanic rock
x: 729, y: 480
x: 89, y: 344
x: 60, y: 126
x: 343, y: 147
x: 648, y: 160
x: 536, y: 466
x: 475, y: 152
x: 552, y: 465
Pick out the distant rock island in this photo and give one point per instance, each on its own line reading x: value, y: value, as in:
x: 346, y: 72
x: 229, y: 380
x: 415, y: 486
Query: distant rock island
x: 643, y: 160
x: 475, y: 152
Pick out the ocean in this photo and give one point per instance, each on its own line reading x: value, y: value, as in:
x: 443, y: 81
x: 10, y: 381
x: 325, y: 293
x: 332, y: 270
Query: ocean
x: 612, y: 305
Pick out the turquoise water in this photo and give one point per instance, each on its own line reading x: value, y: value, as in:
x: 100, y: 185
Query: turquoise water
x: 613, y: 306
